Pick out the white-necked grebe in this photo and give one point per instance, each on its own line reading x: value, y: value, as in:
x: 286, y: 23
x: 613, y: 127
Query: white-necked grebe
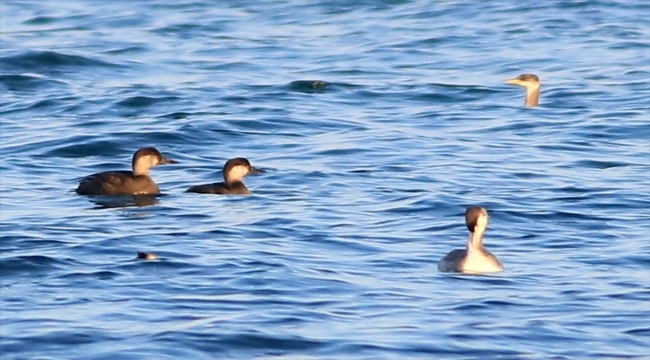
x: 475, y: 258
x: 531, y: 83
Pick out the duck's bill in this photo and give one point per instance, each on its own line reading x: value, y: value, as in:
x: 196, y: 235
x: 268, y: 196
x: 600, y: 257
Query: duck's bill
x: 255, y: 170
x: 168, y: 161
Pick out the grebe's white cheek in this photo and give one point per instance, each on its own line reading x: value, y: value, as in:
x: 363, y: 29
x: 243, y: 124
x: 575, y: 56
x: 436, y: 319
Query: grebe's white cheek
x: 482, y: 222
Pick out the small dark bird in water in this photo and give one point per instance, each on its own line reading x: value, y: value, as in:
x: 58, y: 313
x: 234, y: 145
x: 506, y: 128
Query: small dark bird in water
x: 531, y: 83
x: 233, y: 173
x: 147, y: 256
x: 135, y: 182
x: 475, y: 258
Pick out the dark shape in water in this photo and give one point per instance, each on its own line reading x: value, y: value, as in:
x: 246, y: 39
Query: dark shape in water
x: 308, y: 86
x: 147, y: 256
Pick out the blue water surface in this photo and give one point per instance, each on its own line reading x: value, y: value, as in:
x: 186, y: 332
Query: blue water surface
x: 377, y: 123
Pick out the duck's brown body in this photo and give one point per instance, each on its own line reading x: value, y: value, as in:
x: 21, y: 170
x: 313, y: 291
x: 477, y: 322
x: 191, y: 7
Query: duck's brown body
x: 237, y: 188
x: 117, y: 183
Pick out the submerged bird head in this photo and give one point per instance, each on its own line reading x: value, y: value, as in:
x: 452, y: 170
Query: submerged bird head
x: 531, y: 83
x: 146, y: 158
x: 235, y: 169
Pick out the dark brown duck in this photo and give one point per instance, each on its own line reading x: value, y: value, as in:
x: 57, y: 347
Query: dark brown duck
x: 135, y: 182
x: 233, y: 173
